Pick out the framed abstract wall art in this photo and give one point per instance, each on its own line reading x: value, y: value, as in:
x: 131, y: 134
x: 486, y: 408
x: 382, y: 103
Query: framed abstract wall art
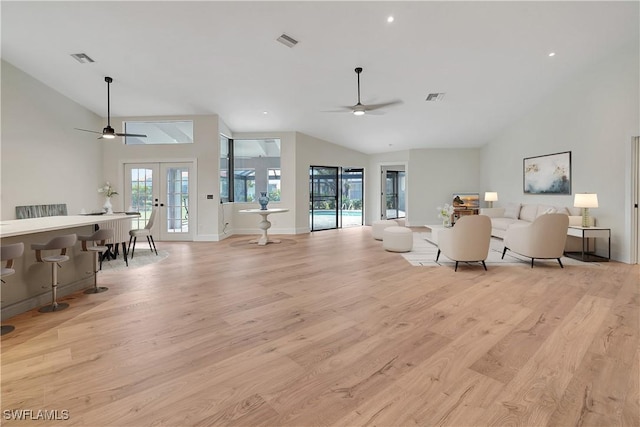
x: 549, y: 174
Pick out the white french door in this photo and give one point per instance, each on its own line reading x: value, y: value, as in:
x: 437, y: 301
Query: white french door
x: 165, y: 186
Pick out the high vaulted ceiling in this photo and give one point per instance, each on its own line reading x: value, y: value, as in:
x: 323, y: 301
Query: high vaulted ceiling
x: 178, y: 58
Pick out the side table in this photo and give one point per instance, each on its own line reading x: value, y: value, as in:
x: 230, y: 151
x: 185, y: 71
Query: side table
x: 586, y: 233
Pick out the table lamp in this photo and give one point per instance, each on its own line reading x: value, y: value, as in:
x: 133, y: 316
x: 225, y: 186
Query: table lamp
x: 490, y: 197
x: 585, y: 201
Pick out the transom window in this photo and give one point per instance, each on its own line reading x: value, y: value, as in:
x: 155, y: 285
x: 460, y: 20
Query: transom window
x: 165, y: 132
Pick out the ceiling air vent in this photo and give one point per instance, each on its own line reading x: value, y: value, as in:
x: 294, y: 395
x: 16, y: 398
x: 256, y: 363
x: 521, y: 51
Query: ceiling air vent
x: 435, y: 97
x: 287, y: 40
x: 82, y: 58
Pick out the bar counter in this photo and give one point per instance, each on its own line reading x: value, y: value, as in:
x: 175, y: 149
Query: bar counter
x: 30, y: 287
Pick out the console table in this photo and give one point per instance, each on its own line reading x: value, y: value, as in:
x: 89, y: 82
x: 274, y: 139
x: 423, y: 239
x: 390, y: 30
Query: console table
x: 264, y: 224
x: 586, y: 233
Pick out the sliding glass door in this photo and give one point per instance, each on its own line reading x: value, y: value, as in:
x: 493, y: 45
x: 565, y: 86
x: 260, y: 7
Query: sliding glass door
x: 336, y: 197
x: 352, y: 198
x: 324, y: 193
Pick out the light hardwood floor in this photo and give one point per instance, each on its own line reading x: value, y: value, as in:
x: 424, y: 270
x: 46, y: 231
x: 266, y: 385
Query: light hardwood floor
x: 329, y: 329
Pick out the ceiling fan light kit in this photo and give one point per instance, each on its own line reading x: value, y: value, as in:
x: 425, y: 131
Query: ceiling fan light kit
x: 108, y: 132
x: 361, y: 109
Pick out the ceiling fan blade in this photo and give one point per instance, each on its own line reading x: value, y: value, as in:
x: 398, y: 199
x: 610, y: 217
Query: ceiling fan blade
x: 372, y: 107
x: 131, y: 135
x: 86, y: 130
x: 343, y: 109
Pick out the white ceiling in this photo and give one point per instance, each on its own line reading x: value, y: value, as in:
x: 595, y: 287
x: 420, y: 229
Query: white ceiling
x: 177, y: 58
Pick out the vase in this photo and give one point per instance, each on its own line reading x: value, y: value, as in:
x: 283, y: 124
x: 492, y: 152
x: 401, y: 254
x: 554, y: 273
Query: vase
x: 446, y: 222
x: 108, y: 207
x: 263, y: 200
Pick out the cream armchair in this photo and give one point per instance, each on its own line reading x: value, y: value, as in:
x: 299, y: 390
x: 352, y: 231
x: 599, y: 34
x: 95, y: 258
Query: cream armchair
x: 543, y: 239
x: 467, y: 241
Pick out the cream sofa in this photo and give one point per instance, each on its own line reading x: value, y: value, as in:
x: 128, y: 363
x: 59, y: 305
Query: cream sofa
x: 518, y: 215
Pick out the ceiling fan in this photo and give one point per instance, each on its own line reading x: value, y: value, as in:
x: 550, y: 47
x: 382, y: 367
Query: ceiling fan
x: 109, y: 132
x: 361, y: 109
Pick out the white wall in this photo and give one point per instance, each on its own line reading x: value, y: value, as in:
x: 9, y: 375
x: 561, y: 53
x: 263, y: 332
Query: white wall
x: 44, y: 160
x: 434, y: 175
x: 594, y: 115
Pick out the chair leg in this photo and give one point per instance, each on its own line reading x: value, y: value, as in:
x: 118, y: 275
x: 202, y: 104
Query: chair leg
x: 560, y: 262
x: 531, y: 262
x: 124, y: 253
x: 438, y: 255
x: 456, y: 269
x: 154, y: 244
x: 504, y: 251
x: 484, y: 265
x: 149, y: 241
x: 134, y: 246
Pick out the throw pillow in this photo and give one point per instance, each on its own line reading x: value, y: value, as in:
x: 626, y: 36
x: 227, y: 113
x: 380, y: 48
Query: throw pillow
x: 546, y: 209
x: 512, y: 210
x: 529, y: 212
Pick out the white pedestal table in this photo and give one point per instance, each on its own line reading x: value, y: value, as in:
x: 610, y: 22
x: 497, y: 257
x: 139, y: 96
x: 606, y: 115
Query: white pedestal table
x: 264, y: 224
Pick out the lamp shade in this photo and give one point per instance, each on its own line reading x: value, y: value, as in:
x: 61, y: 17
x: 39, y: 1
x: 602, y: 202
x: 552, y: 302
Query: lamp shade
x: 585, y: 200
x: 490, y: 196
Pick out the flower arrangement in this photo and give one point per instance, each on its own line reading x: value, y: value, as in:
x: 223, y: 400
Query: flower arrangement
x: 445, y: 212
x: 107, y: 189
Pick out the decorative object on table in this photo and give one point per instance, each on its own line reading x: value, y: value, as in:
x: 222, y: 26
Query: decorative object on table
x: 444, y: 213
x: 108, y: 191
x: 585, y: 201
x: 263, y: 200
x: 490, y: 197
x: 549, y: 174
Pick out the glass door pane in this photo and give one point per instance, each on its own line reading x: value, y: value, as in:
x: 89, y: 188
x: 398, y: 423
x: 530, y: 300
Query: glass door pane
x: 139, y: 194
x: 324, y: 192
x: 352, y: 197
x: 391, y: 192
x: 175, y: 191
x: 177, y: 199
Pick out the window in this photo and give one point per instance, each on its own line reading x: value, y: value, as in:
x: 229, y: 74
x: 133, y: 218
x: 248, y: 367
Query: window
x: 224, y: 168
x: 169, y: 132
x: 256, y: 167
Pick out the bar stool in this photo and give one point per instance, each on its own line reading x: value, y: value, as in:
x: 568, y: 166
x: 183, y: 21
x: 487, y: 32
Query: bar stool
x: 101, y: 236
x: 146, y: 231
x: 62, y: 243
x: 8, y: 253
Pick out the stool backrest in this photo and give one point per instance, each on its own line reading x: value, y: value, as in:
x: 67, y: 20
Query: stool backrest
x: 10, y: 252
x: 102, y: 235
x: 61, y: 242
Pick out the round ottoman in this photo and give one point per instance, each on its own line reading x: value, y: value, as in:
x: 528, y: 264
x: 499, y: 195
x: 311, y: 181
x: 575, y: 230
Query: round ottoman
x: 397, y: 239
x: 379, y: 226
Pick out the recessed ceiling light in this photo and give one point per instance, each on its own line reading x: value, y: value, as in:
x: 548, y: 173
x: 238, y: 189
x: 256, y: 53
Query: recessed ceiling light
x: 552, y: 54
x: 390, y: 19
x: 265, y: 112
